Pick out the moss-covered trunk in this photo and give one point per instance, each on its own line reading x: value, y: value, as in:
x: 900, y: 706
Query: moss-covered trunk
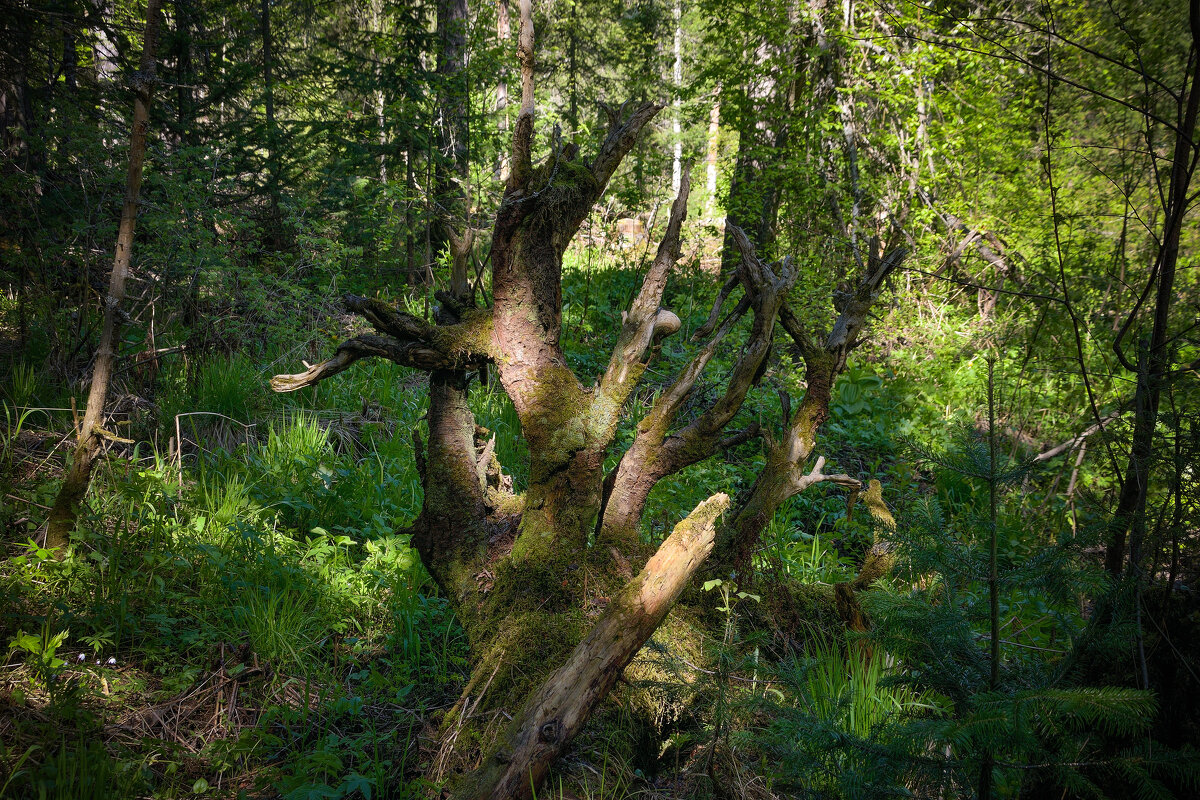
x: 560, y: 705
x: 554, y: 588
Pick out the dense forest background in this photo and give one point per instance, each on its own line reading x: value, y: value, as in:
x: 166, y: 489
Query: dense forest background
x: 992, y: 592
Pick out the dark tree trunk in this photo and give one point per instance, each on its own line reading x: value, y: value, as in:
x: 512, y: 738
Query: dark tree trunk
x: 451, y: 164
x: 1154, y: 359
x: 274, y: 224
x: 185, y: 101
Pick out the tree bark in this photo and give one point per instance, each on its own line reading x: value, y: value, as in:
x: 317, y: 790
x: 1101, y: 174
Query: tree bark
x: 451, y: 165
x: 503, y: 34
x: 274, y: 221
x: 377, y: 25
x: 75, y: 485
x: 677, y: 101
x: 710, y: 161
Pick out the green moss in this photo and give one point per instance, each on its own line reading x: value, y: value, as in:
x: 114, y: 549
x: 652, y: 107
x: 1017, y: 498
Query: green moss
x: 559, y: 181
x: 527, y: 647
x: 661, y: 684
x: 878, y: 563
x: 505, y: 503
x: 559, y: 411
x: 551, y: 583
x: 471, y: 336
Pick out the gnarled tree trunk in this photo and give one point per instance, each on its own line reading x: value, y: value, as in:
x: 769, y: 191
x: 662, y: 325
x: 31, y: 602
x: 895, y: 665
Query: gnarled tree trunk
x: 544, y: 583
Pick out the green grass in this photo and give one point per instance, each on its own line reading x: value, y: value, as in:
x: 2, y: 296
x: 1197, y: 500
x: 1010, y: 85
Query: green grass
x: 844, y: 685
x: 272, y: 557
x: 230, y: 385
x: 281, y: 551
x: 72, y: 771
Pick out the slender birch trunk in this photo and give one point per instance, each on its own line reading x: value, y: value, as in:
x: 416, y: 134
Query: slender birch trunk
x: 710, y: 161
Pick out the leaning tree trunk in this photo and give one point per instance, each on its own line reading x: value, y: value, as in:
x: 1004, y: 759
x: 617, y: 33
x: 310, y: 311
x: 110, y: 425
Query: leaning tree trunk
x: 544, y: 582
x: 75, y: 484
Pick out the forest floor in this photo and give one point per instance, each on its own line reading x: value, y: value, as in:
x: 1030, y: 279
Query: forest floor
x: 237, y: 616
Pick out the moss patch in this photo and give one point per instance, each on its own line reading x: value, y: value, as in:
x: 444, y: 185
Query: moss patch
x: 471, y: 336
x: 526, y: 648
x: 660, y: 677
x: 803, y: 612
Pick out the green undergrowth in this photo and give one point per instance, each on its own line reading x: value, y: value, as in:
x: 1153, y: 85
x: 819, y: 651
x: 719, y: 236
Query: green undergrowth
x: 241, y: 613
x: 253, y: 624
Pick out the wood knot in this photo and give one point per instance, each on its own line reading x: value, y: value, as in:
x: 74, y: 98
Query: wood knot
x: 551, y: 732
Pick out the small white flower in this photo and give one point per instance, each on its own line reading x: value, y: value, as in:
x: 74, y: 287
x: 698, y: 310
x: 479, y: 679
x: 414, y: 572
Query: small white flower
x: 111, y: 661
x: 82, y: 656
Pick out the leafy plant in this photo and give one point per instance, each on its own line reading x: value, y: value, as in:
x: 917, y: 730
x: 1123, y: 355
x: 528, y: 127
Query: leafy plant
x: 42, y: 648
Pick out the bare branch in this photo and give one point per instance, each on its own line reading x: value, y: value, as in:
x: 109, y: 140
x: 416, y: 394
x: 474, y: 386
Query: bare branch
x: 619, y: 141
x: 844, y: 336
x: 407, y: 341
x: 766, y: 290
x: 670, y: 401
x: 387, y: 320
x: 782, y: 477
x: 417, y: 354
x: 1076, y: 441
x: 795, y: 329
x: 646, y: 323
x: 347, y: 354
x: 658, y: 452
x: 740, y: 437
x: 817, y: 476
x: 710, y: 324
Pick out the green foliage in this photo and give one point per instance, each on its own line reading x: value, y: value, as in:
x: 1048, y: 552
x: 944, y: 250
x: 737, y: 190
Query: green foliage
x: 23, y: 383
x: 42, y: 649
x: 230, y: 386
x: 1038, y: 726
x: 833, y: 718
x: 231, y: 561
x: 263, y: 558
x: 75, y: 771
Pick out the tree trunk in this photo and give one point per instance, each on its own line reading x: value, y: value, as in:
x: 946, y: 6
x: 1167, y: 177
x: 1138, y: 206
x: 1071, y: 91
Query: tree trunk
x: 451, y: 164
x: 503, y: 34
x: 1154, y: 361
x: 377, y: 23
x: 710, y: 161
x: 274, y: 220
x: 526, y: 574
x: 75, y: 484
x: 184, y: 98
